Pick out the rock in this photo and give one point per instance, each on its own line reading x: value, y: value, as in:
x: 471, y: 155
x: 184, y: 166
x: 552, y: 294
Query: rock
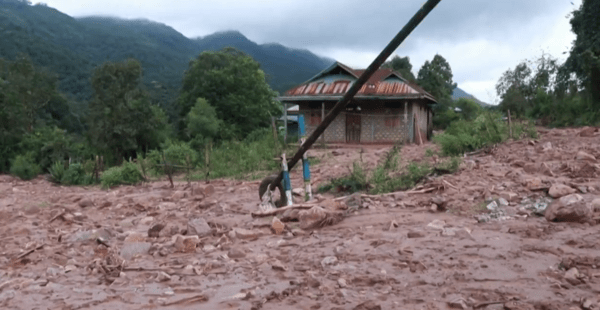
x: 588, y: 303
x: 210, y: 248
x: 178, y: 195
x: 546, y: 146
x: 246, y: 234
x: 510, y: 196
x: 131, y: 249
x: 583, y: 156
x: 588, y: 132
x: 457, y: 302
x: 399, y: 195
x: 163, y: 277
x: 236, y: 253
x: 415, y: 234
x: 207, y: 203
x: 560, y: 190
x: 596, y: 205
x: 434, y: 208
x: 328, y: 261
x: 535, y: 184
x: 572, y: 276
x: 493, y: 206
x: 312, y: 217
x: 530, y: 168
x: 437, y: 225
x: 209, y: 190
x: 278, y: 265
x: 277, y: 226
x: 186, y: 244
x: 313, y: 282
x: 86, y: 203
x: 170, y: 230
x: 298, y: 192
x: 147, y: 220
x: 342, y: 283
x: 440, y: 202
x: 569, y: 208
x: 199, y: 227
x: 154, y: 231
x: 502, y: 202
x: 368, y: 305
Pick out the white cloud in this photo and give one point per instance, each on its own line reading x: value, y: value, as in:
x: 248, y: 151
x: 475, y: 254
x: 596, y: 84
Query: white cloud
x: 480, y: 39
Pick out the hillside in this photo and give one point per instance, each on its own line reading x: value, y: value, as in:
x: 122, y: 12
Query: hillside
x: 458, y: 93
x: 73, y: 47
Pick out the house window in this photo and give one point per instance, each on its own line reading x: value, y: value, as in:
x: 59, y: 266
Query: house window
x: 314, y: 119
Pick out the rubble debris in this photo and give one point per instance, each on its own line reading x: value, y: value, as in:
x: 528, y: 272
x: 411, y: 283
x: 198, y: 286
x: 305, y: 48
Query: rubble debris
x: 560, y: 190
x: 199, y: 227
x: 570, y: 208
x: 583, y: 156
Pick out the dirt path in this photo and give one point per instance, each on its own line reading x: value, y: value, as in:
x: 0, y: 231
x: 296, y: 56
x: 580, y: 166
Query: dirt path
x: 85, y: 248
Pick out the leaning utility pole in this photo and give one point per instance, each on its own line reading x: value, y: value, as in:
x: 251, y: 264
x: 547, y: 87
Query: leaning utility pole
x: 340, y: 105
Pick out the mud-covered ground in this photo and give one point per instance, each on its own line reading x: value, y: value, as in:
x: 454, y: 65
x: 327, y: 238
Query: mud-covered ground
x: 478, y: 240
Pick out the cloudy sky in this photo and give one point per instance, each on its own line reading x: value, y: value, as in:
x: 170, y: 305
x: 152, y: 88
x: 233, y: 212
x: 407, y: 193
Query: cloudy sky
x: 480, y: 39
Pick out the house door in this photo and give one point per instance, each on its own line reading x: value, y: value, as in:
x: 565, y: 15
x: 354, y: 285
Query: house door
x: 352, y: 128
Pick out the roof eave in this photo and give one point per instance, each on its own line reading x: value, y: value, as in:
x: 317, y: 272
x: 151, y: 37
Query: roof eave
x: 336, y: 98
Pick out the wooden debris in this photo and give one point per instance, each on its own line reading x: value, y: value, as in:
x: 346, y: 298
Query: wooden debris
x: 283, y: 209
x: 30, y: 251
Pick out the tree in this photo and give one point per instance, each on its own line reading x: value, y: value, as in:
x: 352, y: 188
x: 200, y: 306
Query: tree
x: 122, y: 120
x: 29, y: 99
x: 233, y: 83
x: 436, y: 78
x: 202, y: 122
x: 469, y: 109
x: 584, y: 59
x: 401, y: 65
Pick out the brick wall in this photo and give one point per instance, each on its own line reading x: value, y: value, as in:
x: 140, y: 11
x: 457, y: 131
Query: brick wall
x: 378, y: 123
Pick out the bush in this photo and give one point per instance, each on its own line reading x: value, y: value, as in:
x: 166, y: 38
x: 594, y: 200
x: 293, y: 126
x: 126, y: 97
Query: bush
x: 75, y: 174
x: 239, y: 158
x: 50, y: 144
x: 127, y: 174
x: 24, y: 167
x: 356, y: 181
x: 387, y: 177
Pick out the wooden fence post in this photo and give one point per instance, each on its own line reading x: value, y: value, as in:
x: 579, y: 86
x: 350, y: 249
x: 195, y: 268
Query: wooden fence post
x: 509, y: 126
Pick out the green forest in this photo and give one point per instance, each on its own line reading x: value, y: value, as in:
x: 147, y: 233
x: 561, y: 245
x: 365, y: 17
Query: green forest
x: 101, y: 100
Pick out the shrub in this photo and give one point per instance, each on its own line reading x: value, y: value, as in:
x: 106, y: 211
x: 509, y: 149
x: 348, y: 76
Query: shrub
x: 175, y: 153
x: 356, y: 181
x: 127, y: 174
x: 24, y: 167
x: 57, y: 172
x: 239, y: 158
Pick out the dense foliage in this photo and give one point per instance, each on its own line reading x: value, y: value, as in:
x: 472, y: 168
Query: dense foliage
x: 72, y: 48
x: 401, y: 65
x: 233, y: 83
x: 435, y: 77
x: 122, y: 119
x: 560, y: 94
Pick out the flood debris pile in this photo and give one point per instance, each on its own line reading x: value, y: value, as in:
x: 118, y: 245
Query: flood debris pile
x: 515, y: 228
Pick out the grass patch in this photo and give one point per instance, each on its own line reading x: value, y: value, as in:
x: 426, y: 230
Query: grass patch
x: 487, y: 129
x: 387, y: 176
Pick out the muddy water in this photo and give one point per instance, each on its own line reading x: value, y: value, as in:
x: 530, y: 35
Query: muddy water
x: 394, y: 252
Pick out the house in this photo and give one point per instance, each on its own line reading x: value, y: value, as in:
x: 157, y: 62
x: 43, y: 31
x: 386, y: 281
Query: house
x: 387, y: 109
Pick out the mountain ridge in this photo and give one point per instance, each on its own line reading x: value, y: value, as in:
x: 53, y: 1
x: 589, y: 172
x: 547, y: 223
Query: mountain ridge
x: 72, y: 47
